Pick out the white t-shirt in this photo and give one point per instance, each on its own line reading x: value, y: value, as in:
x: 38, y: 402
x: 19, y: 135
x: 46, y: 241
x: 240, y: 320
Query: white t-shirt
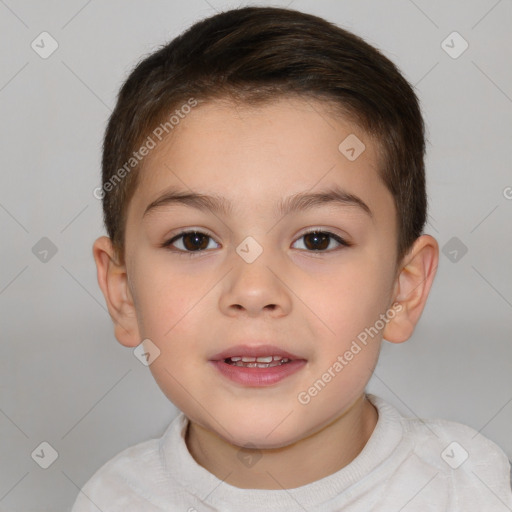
x: 407, y: 465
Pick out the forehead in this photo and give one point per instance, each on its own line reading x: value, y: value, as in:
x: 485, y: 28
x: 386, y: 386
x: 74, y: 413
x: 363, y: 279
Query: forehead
x: 256, y: 155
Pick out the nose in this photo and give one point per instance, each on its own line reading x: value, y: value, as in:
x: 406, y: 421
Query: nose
x: 255, y: 288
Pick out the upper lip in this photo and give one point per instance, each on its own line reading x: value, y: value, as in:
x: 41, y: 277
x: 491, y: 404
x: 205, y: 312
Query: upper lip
x: 254, y: 351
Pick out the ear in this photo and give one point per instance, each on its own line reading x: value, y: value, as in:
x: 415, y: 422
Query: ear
x: 412, y: 287
x: 112, y: 278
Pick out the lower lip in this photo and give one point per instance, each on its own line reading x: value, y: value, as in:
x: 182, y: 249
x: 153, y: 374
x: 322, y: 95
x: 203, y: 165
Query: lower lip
x: 257, y: 377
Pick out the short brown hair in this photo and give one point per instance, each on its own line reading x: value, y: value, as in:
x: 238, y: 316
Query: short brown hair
x: 255, y: 54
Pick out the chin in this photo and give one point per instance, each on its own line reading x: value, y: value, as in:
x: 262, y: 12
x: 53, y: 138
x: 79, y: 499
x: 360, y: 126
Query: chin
x: 269, y: 433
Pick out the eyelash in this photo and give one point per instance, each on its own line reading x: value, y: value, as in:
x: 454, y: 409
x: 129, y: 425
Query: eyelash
x: 181, y: 252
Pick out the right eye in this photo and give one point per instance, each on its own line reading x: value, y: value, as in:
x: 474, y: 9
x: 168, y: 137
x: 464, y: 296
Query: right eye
x: 189, y: 242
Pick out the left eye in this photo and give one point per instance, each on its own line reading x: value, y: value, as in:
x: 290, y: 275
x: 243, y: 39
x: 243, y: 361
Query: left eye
x: 320, y: 240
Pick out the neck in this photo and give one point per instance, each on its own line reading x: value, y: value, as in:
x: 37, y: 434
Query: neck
x: 326, y: 451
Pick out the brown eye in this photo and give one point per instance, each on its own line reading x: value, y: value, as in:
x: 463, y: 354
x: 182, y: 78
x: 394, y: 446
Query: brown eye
x: 190, y: 241
x: 321, y: 241
x: 317, y: 241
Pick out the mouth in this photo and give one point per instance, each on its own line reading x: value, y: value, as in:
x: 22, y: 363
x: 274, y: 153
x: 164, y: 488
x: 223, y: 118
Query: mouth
x: 256, y: 366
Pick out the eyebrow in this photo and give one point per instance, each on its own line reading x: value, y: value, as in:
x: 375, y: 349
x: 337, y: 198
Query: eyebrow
x: 296, y: 202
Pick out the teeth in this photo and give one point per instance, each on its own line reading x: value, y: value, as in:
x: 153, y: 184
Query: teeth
x: 249, y: 359
x: 258, y: 362
x: 264, y: 359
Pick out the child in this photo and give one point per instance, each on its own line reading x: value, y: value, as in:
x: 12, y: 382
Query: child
x: 264, y: 196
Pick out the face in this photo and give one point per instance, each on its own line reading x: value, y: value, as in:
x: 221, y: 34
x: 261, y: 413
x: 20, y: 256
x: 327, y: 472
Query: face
x: 252, y: 275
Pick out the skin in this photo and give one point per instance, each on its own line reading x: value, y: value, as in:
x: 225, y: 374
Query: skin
x: 311, y: 303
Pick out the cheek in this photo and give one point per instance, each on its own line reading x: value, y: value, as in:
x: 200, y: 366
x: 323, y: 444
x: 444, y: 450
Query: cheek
x: 350, y: 306
x: 349, y: 301
x: 166, y: 295
x: 170, y: 306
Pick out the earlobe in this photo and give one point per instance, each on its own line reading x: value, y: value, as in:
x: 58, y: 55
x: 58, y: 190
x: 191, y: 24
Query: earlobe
x: 112, y: 279
x: 412, y: 287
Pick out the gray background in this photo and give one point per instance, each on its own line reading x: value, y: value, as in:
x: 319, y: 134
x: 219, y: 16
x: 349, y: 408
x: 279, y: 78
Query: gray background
x: 66, y: 380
